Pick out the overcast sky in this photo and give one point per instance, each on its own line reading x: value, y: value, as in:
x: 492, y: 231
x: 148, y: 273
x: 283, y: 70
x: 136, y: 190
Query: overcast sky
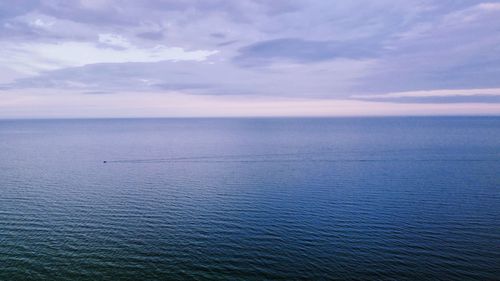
x: 126, y: 58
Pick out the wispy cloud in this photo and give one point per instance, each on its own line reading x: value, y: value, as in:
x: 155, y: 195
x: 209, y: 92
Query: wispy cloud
x: 403, y: 54
x: 34, y: 104
x: 433, y: 93
x: 110, y: 48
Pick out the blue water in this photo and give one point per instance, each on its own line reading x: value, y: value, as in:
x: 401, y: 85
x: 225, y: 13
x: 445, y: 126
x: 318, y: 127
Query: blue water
x: 250, y: 199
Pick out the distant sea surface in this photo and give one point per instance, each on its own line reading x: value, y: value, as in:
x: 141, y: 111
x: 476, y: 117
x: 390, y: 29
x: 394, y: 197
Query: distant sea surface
x: 250, y: 199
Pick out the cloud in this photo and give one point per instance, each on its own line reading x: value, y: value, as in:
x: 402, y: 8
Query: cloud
x: 42, y: 23
x: 437, y: 96
x: 489, y: 6
x: 371, y: 51
x: 301, y: 51
x: 434, y: 93
x: 455, y: 50
x: 30, y: 104
x: 151, y: 35
x: 10, y: 10
x: 206, y: 77
x: 36, y: 57
x: 114, y: 40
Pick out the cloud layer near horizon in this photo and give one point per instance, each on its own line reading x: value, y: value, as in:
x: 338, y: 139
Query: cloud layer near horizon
x: 358, y: 55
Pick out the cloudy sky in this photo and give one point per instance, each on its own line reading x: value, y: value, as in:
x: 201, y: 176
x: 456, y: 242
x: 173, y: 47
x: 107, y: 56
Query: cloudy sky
x: 126, y: 58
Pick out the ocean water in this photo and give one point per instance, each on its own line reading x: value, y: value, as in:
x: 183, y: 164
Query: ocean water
x: 250, y: 199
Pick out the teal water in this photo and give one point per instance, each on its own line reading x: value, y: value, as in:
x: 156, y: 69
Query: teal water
x: 250, y: 199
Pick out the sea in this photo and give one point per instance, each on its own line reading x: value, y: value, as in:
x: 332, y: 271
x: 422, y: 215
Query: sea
x: 385, y: 198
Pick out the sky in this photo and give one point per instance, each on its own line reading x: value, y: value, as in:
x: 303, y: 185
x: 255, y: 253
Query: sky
x: 218, y: 58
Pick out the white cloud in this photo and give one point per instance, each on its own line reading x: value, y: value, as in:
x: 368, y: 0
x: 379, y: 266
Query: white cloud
x: 434, y: 93
x: 42, y: 23
x: 114, y: 40
x: 32, y: 58
x: 489, y: 6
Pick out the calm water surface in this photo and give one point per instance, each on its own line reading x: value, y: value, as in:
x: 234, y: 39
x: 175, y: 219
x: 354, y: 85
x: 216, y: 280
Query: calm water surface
x: 250, y: 199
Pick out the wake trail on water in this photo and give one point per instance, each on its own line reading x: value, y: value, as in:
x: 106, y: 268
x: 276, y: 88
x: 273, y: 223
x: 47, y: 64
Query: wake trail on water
x: 203, y: 158
x: 284, y: 158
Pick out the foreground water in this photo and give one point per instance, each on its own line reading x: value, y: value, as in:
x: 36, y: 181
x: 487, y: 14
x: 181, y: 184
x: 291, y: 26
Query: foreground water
x: 250, y: 199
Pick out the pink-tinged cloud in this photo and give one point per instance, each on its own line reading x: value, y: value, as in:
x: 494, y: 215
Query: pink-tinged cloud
x: 249, y: 58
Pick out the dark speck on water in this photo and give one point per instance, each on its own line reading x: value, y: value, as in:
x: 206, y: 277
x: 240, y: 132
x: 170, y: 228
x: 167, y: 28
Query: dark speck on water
x: 250, y: 199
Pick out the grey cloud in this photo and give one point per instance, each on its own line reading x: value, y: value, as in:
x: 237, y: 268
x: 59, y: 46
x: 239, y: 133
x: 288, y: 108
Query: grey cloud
x: 192, y: 21
x: 10, y: 9
x: 299, y: 50
x: 219, y: 35
x: 128, y: 12
x: 152, y: 35
x: 192, y: 78
x: 76, y: 11
x: 384, y: 45
x: 439, y: 99
x: 227, y: 43
x: 460, y: 49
